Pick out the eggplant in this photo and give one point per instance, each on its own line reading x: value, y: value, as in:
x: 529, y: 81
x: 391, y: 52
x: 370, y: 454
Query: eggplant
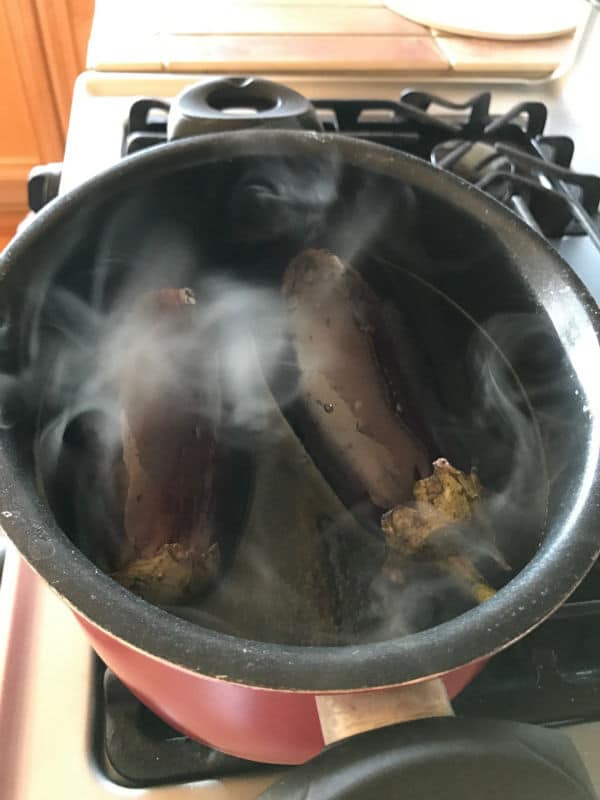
x: 346, y: 414
x: 441, y: 525
x: 170, y: 417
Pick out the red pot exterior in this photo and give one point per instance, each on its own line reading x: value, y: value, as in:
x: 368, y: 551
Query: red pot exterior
x: 271, y: 726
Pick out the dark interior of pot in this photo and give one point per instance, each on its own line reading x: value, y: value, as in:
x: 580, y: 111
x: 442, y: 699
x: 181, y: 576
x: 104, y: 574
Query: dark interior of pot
x: 472, y: 368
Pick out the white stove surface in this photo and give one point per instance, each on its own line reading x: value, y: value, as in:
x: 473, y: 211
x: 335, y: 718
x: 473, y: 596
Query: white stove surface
x: 46, y: 665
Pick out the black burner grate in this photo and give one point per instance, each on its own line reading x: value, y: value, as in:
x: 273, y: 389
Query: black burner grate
x: 136, y: 748
x: 551, y: 677
x: 506, y: 155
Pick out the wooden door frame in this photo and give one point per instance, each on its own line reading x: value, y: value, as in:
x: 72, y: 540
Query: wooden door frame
x: 24, y: 28
x: 60, y: 49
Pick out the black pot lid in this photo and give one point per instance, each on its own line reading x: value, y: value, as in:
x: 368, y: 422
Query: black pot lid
x: 443, y: 759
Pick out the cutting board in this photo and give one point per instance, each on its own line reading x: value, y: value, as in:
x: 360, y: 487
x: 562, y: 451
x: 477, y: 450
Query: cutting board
x: 502, y: 19
x: 341, y: 43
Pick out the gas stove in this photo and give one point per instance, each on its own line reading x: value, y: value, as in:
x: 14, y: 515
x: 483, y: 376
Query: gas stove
x: 508, y: 155
x: 516, y: 142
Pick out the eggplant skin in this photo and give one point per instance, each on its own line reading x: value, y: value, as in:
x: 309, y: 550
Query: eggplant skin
x: 345, y: 407
x: 170, y: 410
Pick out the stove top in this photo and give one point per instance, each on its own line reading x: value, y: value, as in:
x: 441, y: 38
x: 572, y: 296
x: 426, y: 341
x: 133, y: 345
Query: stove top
x: 508, y: 155
x: 553, y: 676
x: 139, y: 749
x: 48, y: 674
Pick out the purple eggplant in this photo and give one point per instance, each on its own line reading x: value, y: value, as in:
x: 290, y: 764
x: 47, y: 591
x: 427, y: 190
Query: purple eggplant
x: 347, y: 414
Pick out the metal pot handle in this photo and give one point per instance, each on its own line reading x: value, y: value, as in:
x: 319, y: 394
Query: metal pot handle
x: 239, y: 102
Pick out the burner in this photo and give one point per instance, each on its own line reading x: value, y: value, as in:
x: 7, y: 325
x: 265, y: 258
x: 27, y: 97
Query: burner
x: 476, y: 162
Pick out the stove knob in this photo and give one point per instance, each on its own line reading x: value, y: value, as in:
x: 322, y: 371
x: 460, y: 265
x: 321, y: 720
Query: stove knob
x: 42, y: 184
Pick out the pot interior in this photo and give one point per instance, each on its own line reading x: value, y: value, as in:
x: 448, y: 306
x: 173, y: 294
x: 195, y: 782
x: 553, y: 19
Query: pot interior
x: 488, y: 383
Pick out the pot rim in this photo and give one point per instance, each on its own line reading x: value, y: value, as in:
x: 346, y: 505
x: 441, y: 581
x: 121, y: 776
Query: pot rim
x: 566, y: 555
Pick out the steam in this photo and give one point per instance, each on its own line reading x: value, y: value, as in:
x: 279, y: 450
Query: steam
x: 84, y: 337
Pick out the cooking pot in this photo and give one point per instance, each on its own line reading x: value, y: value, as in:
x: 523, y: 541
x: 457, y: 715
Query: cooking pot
x: 461, y: 264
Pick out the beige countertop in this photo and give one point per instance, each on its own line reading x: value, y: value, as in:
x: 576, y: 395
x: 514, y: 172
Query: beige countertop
x: 303, y: 36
